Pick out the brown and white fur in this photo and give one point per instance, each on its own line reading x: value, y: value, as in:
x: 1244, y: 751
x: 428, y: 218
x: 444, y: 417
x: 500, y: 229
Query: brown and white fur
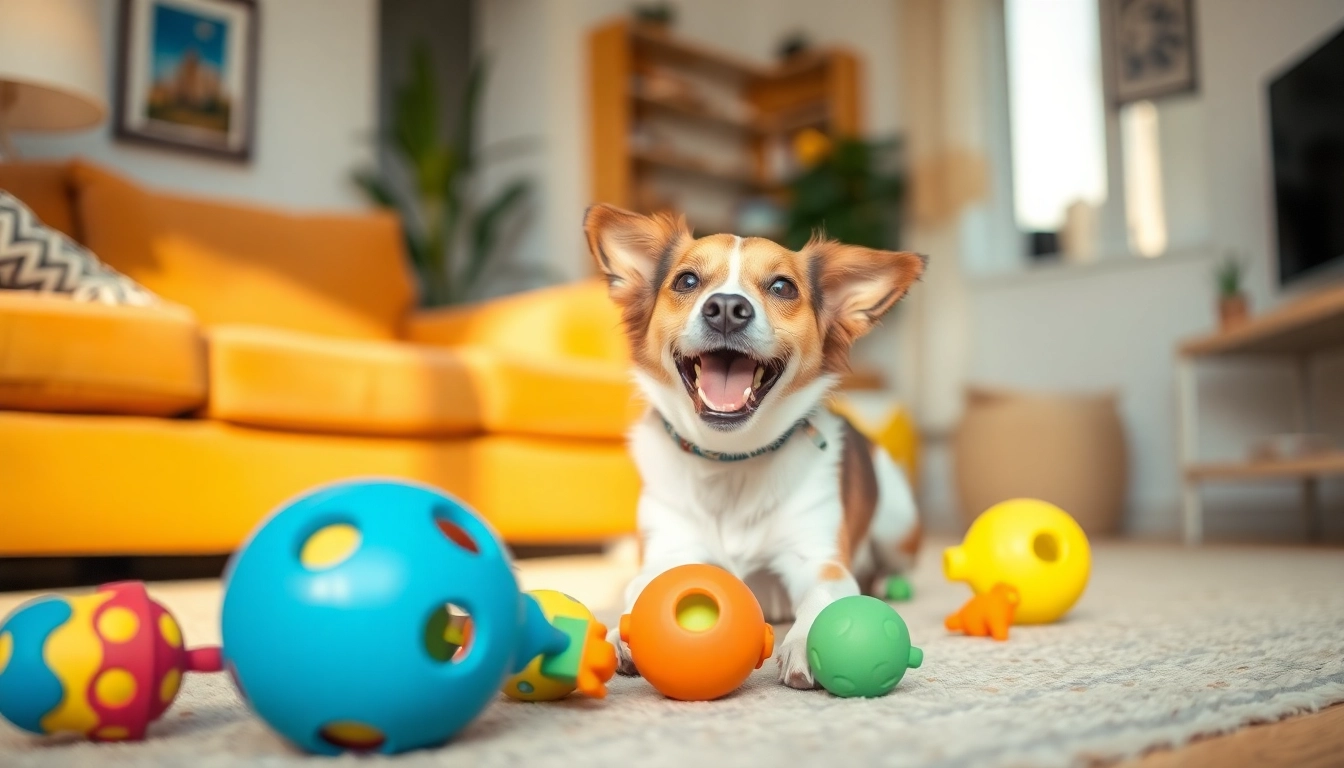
x: 804, y: 526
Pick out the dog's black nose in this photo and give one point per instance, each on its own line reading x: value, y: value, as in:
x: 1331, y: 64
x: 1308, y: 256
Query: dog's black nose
x: 727, y: 312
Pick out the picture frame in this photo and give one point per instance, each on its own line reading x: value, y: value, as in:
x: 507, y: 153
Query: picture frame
x: 187, y: 76
x: 1151, y: 49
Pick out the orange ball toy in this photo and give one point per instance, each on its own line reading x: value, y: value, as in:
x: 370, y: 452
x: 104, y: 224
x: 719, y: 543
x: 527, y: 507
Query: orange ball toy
x: 696, y: 632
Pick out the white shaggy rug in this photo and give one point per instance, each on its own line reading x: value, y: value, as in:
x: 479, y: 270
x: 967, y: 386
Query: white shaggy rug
x: 1167, y: 644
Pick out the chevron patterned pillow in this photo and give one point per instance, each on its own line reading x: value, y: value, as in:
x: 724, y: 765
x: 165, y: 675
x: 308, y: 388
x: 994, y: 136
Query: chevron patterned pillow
x: 35, y: 257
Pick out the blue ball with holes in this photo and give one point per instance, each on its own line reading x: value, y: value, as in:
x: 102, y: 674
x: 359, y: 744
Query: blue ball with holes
x: 375, y: 616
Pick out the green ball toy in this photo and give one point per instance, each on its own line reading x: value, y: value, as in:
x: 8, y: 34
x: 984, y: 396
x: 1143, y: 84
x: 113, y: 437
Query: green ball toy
x: 860, y: 646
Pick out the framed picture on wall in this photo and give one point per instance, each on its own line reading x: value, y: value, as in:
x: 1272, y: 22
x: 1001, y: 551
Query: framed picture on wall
x: 1152, y: 48
x: 187, y: 75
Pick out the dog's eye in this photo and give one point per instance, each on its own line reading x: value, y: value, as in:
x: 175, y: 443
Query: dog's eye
x: 784, y: 288
x: 686, y: 281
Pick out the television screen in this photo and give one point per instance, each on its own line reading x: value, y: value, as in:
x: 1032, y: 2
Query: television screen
x: 1306, y: 106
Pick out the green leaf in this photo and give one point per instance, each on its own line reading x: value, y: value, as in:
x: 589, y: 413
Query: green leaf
x: 416, y: 112
x: 485, y: 230
x: 375, y: 188
x: 379, y: 192
x: 449, y: 239
x: 464, y: 138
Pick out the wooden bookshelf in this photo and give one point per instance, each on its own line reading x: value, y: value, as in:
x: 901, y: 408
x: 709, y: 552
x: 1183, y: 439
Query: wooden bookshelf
x: 698, y: 114
x: 755, y: 111
x: 1296, y: 333
x: 680, y: 53
x: 1306, y: 467
x: 688, y: 165
x: 1312, y: 322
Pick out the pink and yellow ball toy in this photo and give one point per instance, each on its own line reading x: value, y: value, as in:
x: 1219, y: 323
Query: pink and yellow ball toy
x: 104, y: 665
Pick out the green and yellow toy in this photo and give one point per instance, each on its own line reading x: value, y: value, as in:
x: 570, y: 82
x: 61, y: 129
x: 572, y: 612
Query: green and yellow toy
x: 586, y: 664
x: 1030, y: 545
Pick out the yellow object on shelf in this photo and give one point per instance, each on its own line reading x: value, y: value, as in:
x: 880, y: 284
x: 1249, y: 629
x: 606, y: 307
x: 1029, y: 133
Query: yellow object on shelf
x: 1028, y: 544
x: 810, y: 147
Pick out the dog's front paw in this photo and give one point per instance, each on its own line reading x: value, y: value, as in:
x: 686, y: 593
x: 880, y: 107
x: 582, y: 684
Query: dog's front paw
x: 794, y: 671
x: 625, y: 663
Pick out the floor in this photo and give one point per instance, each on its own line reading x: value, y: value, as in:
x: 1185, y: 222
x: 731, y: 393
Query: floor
x: 1120, y: 657
x: 1305, y: 741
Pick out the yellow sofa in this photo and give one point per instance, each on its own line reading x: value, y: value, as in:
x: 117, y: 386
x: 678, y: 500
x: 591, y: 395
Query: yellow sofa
x: 290, y: 355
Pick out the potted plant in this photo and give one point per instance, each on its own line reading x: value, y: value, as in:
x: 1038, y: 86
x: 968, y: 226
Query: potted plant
x: 1233, y: 307
x: 451, y: 231
x: 849, y: 188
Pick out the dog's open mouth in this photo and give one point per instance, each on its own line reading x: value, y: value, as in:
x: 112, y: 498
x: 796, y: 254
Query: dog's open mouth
x: 727, y: 386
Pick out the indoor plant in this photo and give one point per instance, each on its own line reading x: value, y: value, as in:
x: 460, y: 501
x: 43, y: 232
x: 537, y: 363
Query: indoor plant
x: 1233, y: 308
x: 451, y: 234
x: 852, y: 191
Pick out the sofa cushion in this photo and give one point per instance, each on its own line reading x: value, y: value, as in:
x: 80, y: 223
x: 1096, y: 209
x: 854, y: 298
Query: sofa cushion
x: 553, y: 397
x: 269, y: 377
x: 45, y: 188
x: 38, y: 258
x: 578, y: 320
x: 61, y: 355
x: 194, y: 486
x: 342, y: 275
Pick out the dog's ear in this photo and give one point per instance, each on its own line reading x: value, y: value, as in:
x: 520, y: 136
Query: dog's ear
x: 633, y: 251
x: 857, y: 286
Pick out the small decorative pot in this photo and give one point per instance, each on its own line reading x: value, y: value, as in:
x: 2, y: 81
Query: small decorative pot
x: 1233, y: 311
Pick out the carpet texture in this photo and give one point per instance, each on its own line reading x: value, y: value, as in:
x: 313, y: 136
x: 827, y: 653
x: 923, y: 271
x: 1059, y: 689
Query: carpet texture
x: 1167, y: 644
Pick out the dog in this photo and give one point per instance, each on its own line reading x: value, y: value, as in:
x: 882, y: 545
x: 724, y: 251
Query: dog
x: 736, y: 344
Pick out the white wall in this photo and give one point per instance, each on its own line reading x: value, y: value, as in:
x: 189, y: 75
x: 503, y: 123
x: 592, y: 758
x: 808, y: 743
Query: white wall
x: 539, y: 89
x: 1115, y: 326
x: 316, y: 112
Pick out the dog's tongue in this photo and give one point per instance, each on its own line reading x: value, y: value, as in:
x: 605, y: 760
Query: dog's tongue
x: 725, y: 379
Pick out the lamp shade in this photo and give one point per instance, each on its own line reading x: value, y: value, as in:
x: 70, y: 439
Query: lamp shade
x: 51, y: 65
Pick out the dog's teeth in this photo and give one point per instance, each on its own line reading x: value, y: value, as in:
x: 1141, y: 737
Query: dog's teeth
x: 760, y: 374
x: 697, y: 370
x: 747, y: 395
x: 751, y: 395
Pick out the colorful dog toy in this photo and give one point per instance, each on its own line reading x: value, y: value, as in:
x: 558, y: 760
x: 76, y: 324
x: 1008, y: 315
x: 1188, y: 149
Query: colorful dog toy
x: 897, y: 589
x: 696, y: 632
x: 986, y: 615
x: 381, y: 616
x: 860, y: 646
x: 1031, y: 545
x: 104, y: 665
x: 587, y: 664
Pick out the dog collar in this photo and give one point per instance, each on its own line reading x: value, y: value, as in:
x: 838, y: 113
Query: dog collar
x: 804, y: 424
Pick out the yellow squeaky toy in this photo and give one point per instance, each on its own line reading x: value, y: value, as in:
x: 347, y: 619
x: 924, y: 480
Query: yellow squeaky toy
x: 1028, y: 544
x: 531, y: 684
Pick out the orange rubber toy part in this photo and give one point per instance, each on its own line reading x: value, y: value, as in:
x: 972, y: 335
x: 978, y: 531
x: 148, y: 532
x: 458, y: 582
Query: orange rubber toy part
x: 987, y: 615
x: 696, y: 632
x: 598, y: 663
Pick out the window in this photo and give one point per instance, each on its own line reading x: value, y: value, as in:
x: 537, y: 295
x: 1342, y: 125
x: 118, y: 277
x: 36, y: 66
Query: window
x: 1057, y: 121
x: 1058, y: 141
x: 1142, y: 158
